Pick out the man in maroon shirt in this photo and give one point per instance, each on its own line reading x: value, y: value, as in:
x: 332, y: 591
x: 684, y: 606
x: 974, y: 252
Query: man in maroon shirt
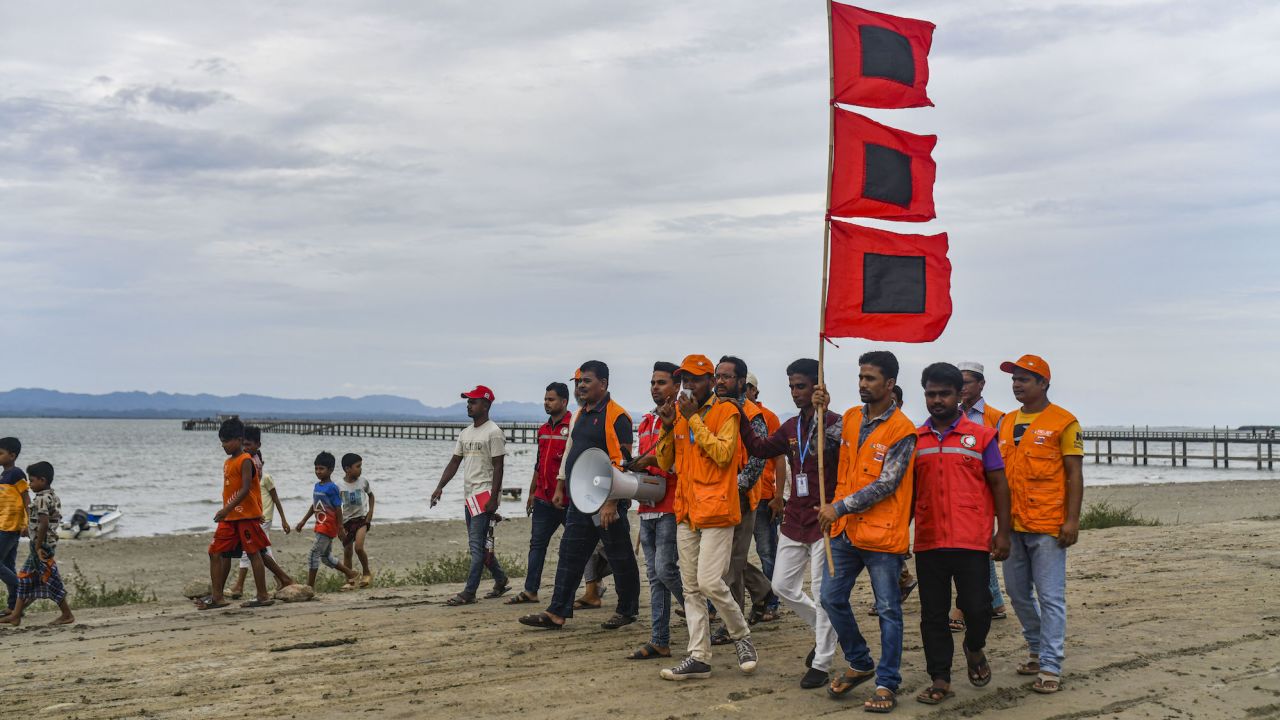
x: 552, y: 438
x: 800, y: 539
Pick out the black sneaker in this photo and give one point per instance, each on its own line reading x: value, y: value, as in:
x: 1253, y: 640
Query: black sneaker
x: 747, y: 657
x: 808, y: 659
x: 815, y: 678
x: 721, y: 636
x: 688, y: 669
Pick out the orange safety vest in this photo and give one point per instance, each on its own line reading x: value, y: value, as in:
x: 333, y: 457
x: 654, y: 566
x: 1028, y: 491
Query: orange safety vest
x: 1036, y: 472
x: 612, y: 412
x: 991, y: 416
x: 885, y: 526
x: 707, y: 494
x: 769, y: 476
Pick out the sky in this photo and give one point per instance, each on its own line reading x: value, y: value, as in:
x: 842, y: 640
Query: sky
x: 322, y: 198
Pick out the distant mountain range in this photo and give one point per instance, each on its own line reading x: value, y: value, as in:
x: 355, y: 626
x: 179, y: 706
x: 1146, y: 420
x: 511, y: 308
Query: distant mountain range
x: 37, y: 402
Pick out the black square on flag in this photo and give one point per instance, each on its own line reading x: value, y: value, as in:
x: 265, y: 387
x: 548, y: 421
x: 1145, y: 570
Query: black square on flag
x: 892, y: 283
x: 887, y: 175
x: 886, y: 54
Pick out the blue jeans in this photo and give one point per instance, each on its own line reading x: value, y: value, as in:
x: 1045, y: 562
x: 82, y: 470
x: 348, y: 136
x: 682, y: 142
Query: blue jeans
x: 766, y: 537
x: 576, y: 545
x: 658, y: 538
x: 883, y: 569
x: 8, y: 563
x: 477, y: 533
x: 997, y: 600
x: 1037, y: 563
x: 546, y: 518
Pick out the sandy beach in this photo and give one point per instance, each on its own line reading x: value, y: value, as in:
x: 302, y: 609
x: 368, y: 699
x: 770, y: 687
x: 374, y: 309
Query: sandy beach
x: 1178, y: 621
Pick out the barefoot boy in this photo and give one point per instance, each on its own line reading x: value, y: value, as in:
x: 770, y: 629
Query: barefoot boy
x: 326, y: 505
x: 253, y: 446
x: 39, y: 578
x: 239, y: 521
x: 357, y: 513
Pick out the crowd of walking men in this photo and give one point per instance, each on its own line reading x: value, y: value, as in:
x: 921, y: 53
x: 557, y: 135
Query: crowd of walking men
x: 980, y: 486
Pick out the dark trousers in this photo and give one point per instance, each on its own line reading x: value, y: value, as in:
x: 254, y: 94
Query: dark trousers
x: 546, y: 518
x: 937, y: 570
x: 8, y: 560
x: 576, y: 545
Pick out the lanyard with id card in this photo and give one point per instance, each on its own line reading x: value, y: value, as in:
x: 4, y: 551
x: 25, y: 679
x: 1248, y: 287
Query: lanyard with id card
x: 802, y: 478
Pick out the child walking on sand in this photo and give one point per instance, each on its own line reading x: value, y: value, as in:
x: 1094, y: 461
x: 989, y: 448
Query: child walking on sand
x: 326, y: 505
x: 239, y: 522
x: 39, y: 578
x: 357, y: 513
x: 14, y: 499
x: 253, y: 446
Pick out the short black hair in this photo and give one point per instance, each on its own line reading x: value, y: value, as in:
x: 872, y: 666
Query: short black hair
x: 897, y: 394
x: 886, y: 361
x: 560, y: 389
x: 739, y: 365
x: 669, y: 368
x: 804, y: 366
x: 231, y: 429
x: 325, y: 459
x: 597, y: 368
x: 11, y: 444
x: 253, y: 433
x: 41, y: 469
x: 942, y: 373
x: 350, y: 459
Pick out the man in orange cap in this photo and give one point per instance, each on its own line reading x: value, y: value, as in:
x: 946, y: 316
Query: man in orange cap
x: 1043, y: 454
x: 700, y: 441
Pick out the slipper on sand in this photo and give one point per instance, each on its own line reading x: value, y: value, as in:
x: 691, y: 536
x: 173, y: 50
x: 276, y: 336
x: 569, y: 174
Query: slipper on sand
x: 258, y: 603
x: 521, y: 598
x: 207, y: 603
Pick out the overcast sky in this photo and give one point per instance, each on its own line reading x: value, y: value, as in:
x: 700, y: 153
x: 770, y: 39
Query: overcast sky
x: 313, y: 199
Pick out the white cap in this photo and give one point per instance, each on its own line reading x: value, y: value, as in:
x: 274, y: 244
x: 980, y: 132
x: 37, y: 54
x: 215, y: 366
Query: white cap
x: 971, y: 367
x: 751, y: 380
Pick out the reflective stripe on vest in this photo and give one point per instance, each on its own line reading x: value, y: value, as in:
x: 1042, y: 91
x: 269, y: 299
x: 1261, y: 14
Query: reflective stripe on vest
x: 953, y: 503
x: 950, y: 450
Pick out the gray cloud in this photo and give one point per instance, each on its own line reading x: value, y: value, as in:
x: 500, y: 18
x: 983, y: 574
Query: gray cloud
x: 169, y: 98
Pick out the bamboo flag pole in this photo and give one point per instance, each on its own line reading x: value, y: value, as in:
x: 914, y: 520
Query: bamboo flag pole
x: 826, y: 258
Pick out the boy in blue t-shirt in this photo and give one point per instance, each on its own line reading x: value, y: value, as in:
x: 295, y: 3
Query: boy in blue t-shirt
x: 326, y: 505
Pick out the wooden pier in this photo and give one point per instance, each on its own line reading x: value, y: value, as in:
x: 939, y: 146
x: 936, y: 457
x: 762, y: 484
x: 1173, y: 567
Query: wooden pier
x: 1243, y: 446
x: 516, y: 432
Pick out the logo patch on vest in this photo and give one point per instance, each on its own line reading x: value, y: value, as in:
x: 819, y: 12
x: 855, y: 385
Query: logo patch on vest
x: 969, y: 441
x: 564, y: 430
x: 1040, y: 439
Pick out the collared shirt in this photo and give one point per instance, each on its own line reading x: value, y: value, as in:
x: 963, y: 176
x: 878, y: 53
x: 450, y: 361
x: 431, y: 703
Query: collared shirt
x: 800, y: 515
x: 977, y: 413
x: 589, y: 432
x: 891, y: 472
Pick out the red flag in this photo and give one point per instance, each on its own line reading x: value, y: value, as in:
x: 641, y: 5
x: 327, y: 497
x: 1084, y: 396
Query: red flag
x: 880, y: 61
x: 886, y: 286
x: 881, y: 172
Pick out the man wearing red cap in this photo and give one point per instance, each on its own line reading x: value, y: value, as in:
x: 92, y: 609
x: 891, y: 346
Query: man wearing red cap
x: 700, y: 441
x: 480, y: 451
x: 1043, y: 454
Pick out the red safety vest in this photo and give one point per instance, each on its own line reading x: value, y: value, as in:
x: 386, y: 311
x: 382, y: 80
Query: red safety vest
x: 953, y: 506
x: 646, y: 442
x: 552, y: 440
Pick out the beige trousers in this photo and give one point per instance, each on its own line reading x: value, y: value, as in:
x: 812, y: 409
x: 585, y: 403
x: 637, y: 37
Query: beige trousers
x: 704, y: 558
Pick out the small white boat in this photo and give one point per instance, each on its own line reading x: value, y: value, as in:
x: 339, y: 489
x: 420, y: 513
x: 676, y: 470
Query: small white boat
x: 99, y: 520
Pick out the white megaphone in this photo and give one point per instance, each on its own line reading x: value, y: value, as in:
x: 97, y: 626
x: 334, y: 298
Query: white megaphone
x: 595, y: 481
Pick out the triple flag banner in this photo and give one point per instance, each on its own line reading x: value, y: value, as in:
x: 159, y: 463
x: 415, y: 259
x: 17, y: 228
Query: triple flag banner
x: 886, y: 286
x: 880, y: 172
x: 879, y: 61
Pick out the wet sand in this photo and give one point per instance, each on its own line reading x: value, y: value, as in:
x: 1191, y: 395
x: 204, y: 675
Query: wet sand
x: 1172, y: 621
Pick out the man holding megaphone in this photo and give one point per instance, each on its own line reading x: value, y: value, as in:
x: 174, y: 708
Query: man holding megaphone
x: 601, y: 424
x: 700, y: 441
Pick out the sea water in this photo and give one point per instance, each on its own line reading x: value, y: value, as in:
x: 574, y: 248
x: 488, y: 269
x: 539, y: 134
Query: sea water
x: 168, y: 480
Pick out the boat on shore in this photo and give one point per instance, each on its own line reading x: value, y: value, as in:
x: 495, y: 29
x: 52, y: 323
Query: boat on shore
x: 97, y: 521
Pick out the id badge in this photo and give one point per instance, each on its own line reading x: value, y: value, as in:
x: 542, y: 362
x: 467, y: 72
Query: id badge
x: 802, y: 485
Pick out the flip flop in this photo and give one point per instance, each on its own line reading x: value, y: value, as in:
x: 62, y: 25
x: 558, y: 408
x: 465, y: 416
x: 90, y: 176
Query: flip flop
x: 1030, y: 667
x: 366, y: 581
x: 348, y: 586
x: 540, y: 620
x: 648, y: 652
x: 207, y: 603
x: 235, y: 595
x: 617, y: 621
x: 497, y: 592
x: 880, y: 696
x: 848, y: 682
x: 956, y: 625
x: 459, y: 600
x: 584, y: 605
x: 257, y: 603
x: 977, y: 676
x: 934, y: 695
x: 521, y: 598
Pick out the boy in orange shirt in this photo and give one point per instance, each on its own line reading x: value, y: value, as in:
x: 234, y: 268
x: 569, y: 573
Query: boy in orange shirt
x: 239, y: 521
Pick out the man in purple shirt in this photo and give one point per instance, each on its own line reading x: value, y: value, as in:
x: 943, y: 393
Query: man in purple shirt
x: 800, y: 539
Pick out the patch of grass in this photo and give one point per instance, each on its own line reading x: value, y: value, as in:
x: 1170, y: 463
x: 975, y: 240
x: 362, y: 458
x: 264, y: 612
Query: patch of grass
x: 1103, y: 514
x: 81, y: 593
x: 448, y: 569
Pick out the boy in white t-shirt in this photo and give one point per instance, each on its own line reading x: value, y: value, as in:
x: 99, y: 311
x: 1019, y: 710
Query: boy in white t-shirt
x: 357, y: 513
x: 480, y: 452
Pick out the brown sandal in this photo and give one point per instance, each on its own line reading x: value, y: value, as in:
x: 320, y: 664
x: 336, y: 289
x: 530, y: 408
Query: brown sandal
x: 1047, y: 683
x: 649, y: 651
x: 881, y: 695
x: 1030, y: 667
x: 848, y: 680
x: 934, y: 695
x: 521, y: 598
x: 979, y: 668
